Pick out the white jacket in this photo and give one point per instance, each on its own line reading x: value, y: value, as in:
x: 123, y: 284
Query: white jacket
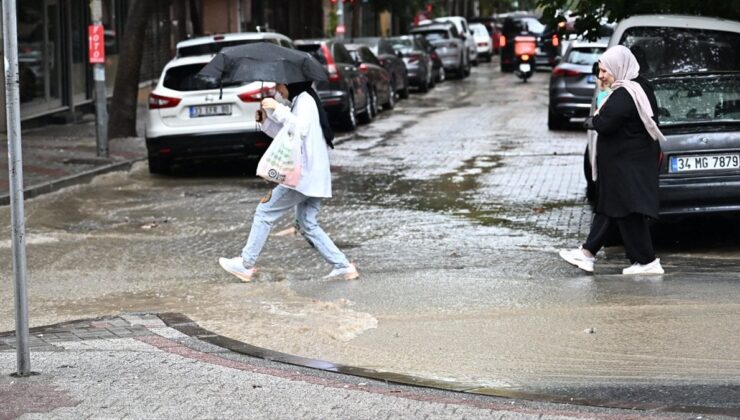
x: 302, y: 119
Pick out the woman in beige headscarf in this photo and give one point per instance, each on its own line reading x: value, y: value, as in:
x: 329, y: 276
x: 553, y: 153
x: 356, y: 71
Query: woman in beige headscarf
x: 626, y: 160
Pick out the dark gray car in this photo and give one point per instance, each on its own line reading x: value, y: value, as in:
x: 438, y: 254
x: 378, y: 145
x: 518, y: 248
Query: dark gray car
x: 417, y: 58
x: 572, y: 84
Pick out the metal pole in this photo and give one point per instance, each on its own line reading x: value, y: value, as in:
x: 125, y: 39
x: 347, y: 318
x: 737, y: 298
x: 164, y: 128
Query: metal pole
x: 340, y: 18
x: 15, y: 168
x: 101, y: 110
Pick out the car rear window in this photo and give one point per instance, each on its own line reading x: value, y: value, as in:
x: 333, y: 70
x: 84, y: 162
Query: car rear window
x: 314, y: 50
x: 183, y: 78
x: 215, y: 47
x: 435, y: 35
x: 698, y: 98
x: 584, y: 55
x: 402, y: 44
x: 661, y: 50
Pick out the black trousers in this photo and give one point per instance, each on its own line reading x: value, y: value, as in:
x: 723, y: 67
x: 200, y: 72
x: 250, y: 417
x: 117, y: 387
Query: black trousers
x: 634, y: 232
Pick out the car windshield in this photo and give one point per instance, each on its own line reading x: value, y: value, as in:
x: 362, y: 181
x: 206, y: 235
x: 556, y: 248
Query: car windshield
x: 314, y: 50
x: 436, y: 35
x: 584, y: 55
x: 698, y: 98
x: 661, y: 50
x: 479, y: 30
x: 215, y: 47
x: 183, y: 78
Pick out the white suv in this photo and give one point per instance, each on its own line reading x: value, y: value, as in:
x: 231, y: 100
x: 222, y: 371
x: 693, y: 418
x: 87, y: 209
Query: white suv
x: 193, y: 119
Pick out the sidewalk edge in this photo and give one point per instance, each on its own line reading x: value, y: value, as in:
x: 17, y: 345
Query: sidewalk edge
x: 70, y: 180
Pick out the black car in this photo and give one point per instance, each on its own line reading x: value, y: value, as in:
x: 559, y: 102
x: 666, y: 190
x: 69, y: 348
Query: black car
x: 380, y: 79
x: 418, y: 60
x: 346, y: 95
x: 390, y: 60
x: 548, y: 41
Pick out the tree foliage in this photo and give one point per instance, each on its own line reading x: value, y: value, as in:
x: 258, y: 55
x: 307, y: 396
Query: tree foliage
x: 591, y: 13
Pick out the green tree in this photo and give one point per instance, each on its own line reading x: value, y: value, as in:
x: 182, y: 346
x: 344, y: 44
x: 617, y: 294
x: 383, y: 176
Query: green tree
x: 591, y: 12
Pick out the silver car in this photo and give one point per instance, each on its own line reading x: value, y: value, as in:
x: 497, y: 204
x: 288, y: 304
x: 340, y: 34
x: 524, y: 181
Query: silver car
x: 449, y: 46
x: 572, y: 83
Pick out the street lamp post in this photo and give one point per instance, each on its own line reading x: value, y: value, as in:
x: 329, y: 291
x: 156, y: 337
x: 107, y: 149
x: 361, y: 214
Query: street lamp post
x: 15, y: 168
x: 97, y: 59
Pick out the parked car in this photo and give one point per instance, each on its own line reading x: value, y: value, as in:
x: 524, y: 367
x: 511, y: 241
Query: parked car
x: 345, y: 95
x: 483, y: 41
x: 417, y: 59
x: 548, y: 42
x: 572, y: 83
x: 391, y: 61
x: 212, y: 44
x: 493, y: 25
x: 463, y: 29
x: 192, y: 119
x: 449, y: 46
x: 381, y: 92
x: 694, y: 66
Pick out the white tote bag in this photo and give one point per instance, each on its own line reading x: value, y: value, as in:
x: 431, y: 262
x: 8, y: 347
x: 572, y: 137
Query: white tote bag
x: 281, y: 162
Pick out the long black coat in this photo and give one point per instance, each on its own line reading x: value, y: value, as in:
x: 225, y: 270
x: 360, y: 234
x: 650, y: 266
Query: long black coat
x: 626, y: 157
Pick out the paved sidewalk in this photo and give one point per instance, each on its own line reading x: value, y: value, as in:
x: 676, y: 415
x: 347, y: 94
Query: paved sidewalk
x: 136, y: 366
x: 57, y: 156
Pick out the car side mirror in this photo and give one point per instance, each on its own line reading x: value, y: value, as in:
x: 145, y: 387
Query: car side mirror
x: 595, y: 69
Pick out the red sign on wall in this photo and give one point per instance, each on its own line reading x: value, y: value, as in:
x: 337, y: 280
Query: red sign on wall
x: 96, y: 44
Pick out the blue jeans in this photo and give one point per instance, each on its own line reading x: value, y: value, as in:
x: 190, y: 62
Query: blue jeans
x: 280, y: 200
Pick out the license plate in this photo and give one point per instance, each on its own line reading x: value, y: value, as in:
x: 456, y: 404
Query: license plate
x: 704, y: 162
x: 209, y: 110
x: 525, y: 67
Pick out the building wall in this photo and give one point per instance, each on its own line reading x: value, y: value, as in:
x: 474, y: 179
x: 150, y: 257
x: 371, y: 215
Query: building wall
x: 220, y: 16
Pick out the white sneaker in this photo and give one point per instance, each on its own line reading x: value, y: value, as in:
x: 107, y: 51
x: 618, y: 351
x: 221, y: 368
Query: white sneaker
x: 651, y: 268
x: 579, y: 259
x: 346, y: 273
x: 236, y: 267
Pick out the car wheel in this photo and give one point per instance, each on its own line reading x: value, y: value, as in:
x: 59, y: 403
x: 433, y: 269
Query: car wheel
x: 555, y: 121
x: 467, y: 68
x: 158, y: 165
x: 404, y: 93
x: 373, y: 103
x: 391, y: 100
x: 349, y: 119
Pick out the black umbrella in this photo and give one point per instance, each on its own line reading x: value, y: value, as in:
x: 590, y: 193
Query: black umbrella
x: 262, y: 61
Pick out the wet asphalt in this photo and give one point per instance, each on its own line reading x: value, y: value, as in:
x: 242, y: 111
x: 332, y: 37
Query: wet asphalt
x: 453, y: 206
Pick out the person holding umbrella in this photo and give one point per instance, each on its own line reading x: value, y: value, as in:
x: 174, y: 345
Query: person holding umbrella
x: 307, y: 120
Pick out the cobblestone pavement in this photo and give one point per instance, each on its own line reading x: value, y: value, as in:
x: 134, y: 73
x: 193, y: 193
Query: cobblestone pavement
x: 136, y: 367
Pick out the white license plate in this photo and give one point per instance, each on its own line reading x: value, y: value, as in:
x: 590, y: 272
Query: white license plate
x: 704, y: 162
x: 209, y: 110
x: 525, y: 67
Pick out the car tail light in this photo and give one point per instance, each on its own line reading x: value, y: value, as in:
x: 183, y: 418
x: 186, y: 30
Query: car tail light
x: 364, y: 68
x: 557, y: 71
x: 435, y: 55
x: 502, y: 40
x: 555, y: 41
x: 257, y: 95
x: 331, y: 66
x: 159, y: 101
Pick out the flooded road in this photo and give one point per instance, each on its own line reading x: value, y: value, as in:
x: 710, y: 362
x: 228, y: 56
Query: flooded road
x: 453, y: 207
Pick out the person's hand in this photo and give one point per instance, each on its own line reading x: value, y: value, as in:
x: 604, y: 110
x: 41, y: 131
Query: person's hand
x: 269, y: 103
x: 260, y: 115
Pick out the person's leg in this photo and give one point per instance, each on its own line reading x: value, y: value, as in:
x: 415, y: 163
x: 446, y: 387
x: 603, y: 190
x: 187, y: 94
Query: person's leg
x: 306, y: 219
x: 636, y: 237
x: 271, y: 207
x: 601, y: 227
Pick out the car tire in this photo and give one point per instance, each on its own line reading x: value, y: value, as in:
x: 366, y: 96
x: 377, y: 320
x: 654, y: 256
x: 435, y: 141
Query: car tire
x: 391, y: 100
x: 404, y: 93
x: 158, y: 165
x: 556, y: 122
x: 370, y: 110
x: 373, y: 103
x: 466, y: 70
x: 425, y: 84
x: 349, y: 120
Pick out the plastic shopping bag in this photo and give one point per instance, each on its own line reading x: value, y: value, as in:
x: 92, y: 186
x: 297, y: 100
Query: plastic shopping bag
x: 281, y: 162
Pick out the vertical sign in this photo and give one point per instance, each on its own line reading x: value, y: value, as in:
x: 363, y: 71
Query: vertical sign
x: 96, y: 44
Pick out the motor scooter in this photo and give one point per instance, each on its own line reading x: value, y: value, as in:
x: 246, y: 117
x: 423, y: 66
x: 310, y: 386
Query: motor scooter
x: 525, y: 48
